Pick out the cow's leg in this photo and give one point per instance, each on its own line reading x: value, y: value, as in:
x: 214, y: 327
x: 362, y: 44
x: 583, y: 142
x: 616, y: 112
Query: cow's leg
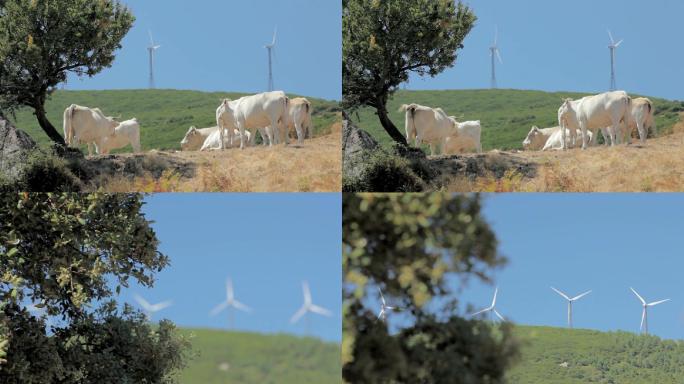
x: 301, y: 133
x: 583, y: 127
x: 432, y: 149
x: 241, y: 128
x: 269, y: 134
x: 643, y: 132
x: 90, y: 149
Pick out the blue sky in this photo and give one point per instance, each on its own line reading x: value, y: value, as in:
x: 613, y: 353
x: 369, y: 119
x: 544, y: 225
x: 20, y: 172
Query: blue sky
x: 267, y: 243
x: 578, y: 242
x: 218, y: 45
x: 560, y: 45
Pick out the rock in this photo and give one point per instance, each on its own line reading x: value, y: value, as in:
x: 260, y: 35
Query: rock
x: 356, y: 144
x: 15, y: 145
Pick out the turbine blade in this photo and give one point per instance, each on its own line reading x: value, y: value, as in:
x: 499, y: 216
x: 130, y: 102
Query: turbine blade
x: 643, y: 317
x: 640, y: 298
x: 657, y: 302
x: 381, y: 312
x: 498, y: 55
x: 580, y: 296
x: 219, y: 308
x: 142, y: 302
x: 320, y: 310
x: 612, y: 41
x: 229, y: 289
x: 499, y: 315
x: 298, y: 315
x: 307, y: 292
x: 618, y: 43
x: 496, y: 35
x: 275, y: 33
x: 382, y: 298
x: 151, y: 39
x: 481, y: 311
x: 240, y: 306
x: 158, y: 307
x: 561, y: 293
x: 496, y: 291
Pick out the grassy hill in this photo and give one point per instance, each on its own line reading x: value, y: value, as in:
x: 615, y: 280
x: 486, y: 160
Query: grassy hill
x: 596, y: 357
x: 245, y: 358
x: 164, y: 115
x: 506, y: 115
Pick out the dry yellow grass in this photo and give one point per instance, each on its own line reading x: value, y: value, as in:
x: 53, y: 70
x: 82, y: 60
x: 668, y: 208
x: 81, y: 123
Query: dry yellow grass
x: 315, y: 166
x: 657, y: 166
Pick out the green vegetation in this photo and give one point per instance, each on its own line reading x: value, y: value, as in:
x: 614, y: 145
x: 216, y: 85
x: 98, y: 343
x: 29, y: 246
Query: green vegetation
x: 164, y: 115
x: 595, y: 357
x: 248, y: 358
x: 506, y: 115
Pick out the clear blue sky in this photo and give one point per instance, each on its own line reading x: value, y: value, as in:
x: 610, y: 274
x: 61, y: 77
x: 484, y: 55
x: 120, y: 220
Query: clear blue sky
x: 561, y: 45
x: 218, y: 45
x: 577, y: 242
x: 267, y: 243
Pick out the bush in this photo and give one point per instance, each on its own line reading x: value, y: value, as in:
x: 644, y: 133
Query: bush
x: 384, y: 172
x: 44, y: 172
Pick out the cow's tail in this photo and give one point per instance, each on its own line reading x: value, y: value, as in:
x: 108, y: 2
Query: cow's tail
x: 68, y: 124
x: 410, y: 121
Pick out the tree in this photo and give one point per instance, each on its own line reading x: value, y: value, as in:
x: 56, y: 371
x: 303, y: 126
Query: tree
x: 413, y: 246
x: 70, y: 254
x: 384, y: 41
x: 42, y: 41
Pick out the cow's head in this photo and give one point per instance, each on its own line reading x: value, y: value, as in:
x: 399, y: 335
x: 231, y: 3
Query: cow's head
x: 533, y: 137
x: 566, y: 113
x: 192, y: 137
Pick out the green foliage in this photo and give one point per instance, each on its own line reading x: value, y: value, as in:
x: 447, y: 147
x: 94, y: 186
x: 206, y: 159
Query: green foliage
x: 44, y: 172
x: 595, y: 357
x: 260, y: 359
x: 413, y: 245
x: 384, y: 41
x: 164, y: 115
x: 384, y: 172
x: 64, y: 252
x: 42, y: 41
x: 506, y: 115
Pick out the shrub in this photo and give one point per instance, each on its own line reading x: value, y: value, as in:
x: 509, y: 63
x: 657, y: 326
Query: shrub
x: 44, y: 172
x: 384, y: 172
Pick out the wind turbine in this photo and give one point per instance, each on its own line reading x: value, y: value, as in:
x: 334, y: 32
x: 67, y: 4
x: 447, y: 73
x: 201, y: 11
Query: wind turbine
x: 384, y: 307
x: 152, y: 49
x: 644, y: 313
x: 151, y: 309
x: 570, y: 300
x: 308, y: 306
x: 491, y: 308
x: 270, y: 48
x: 612, y: 47
x: 494, y: 51
x: 230, y: 303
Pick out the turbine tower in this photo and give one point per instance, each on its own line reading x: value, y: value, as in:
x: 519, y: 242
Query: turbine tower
x: 152, y: 49
x: 230, y: 303
x: 384, y: 307
x: 270, y: 48
x: 494, y: 55
x: 570, y: 300
x: 612, y: 47
x: 308, y: 306
x: 491, y: 308
x: 644, y: 313
x: 151, y: 309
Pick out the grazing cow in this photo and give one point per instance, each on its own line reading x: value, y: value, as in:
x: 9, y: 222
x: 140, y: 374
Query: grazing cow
x: 128, y: 132
x: 267, y: 109
x: 425, y: 124
x: 212, y: 141
x: 466, y: 138
x: 605, y: 110
x: 642, y: 119
x: 537, y: 138
x: 299, y: 118
x: 554, y: 141
x: 195, y: 137
x: 87, y: 125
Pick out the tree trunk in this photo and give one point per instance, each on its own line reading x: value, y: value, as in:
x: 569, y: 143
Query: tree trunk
x: 389, y: 126
x: 47, y: 126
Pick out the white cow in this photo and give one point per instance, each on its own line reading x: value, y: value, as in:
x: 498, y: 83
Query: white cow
x: 212, y: 141
x: 466, y: 138
x: 537, y: 138
x: 554, y: 141
x: 642, y: 119
x: 605, y: 110
x: 128, y: 132
x: 267, y: 109
x: 299, y: 119
x: 425, y: 124
x: 195, y: 137
x: 87, y: 125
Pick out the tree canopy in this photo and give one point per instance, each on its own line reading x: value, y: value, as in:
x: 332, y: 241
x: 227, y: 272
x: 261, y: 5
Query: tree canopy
x: 64, y: 253
x: 42, y: 41
x: 413, y: 246
x: 384, y: 41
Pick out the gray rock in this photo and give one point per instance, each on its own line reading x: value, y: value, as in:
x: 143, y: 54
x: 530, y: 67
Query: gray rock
x: 356, y: 144
x: 15, y: 145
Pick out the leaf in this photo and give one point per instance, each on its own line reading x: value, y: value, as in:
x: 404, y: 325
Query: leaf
x: 12, y: 252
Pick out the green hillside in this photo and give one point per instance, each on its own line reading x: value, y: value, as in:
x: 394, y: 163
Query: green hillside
x: 506, y: 115
x: 596, y: 357
x: 164, y: 115
x: 236, y: 357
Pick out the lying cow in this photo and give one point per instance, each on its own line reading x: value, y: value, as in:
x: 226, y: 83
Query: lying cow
x: 466, y: 139
x: 554, y: 141
x: 195, y: 137
x: 212, y: 141
x: 429, y: 125
x: 605, y: 110
x: 83, y: 125
x: 299, y: 119
x: 128, y: 132
x: 537, y: 138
